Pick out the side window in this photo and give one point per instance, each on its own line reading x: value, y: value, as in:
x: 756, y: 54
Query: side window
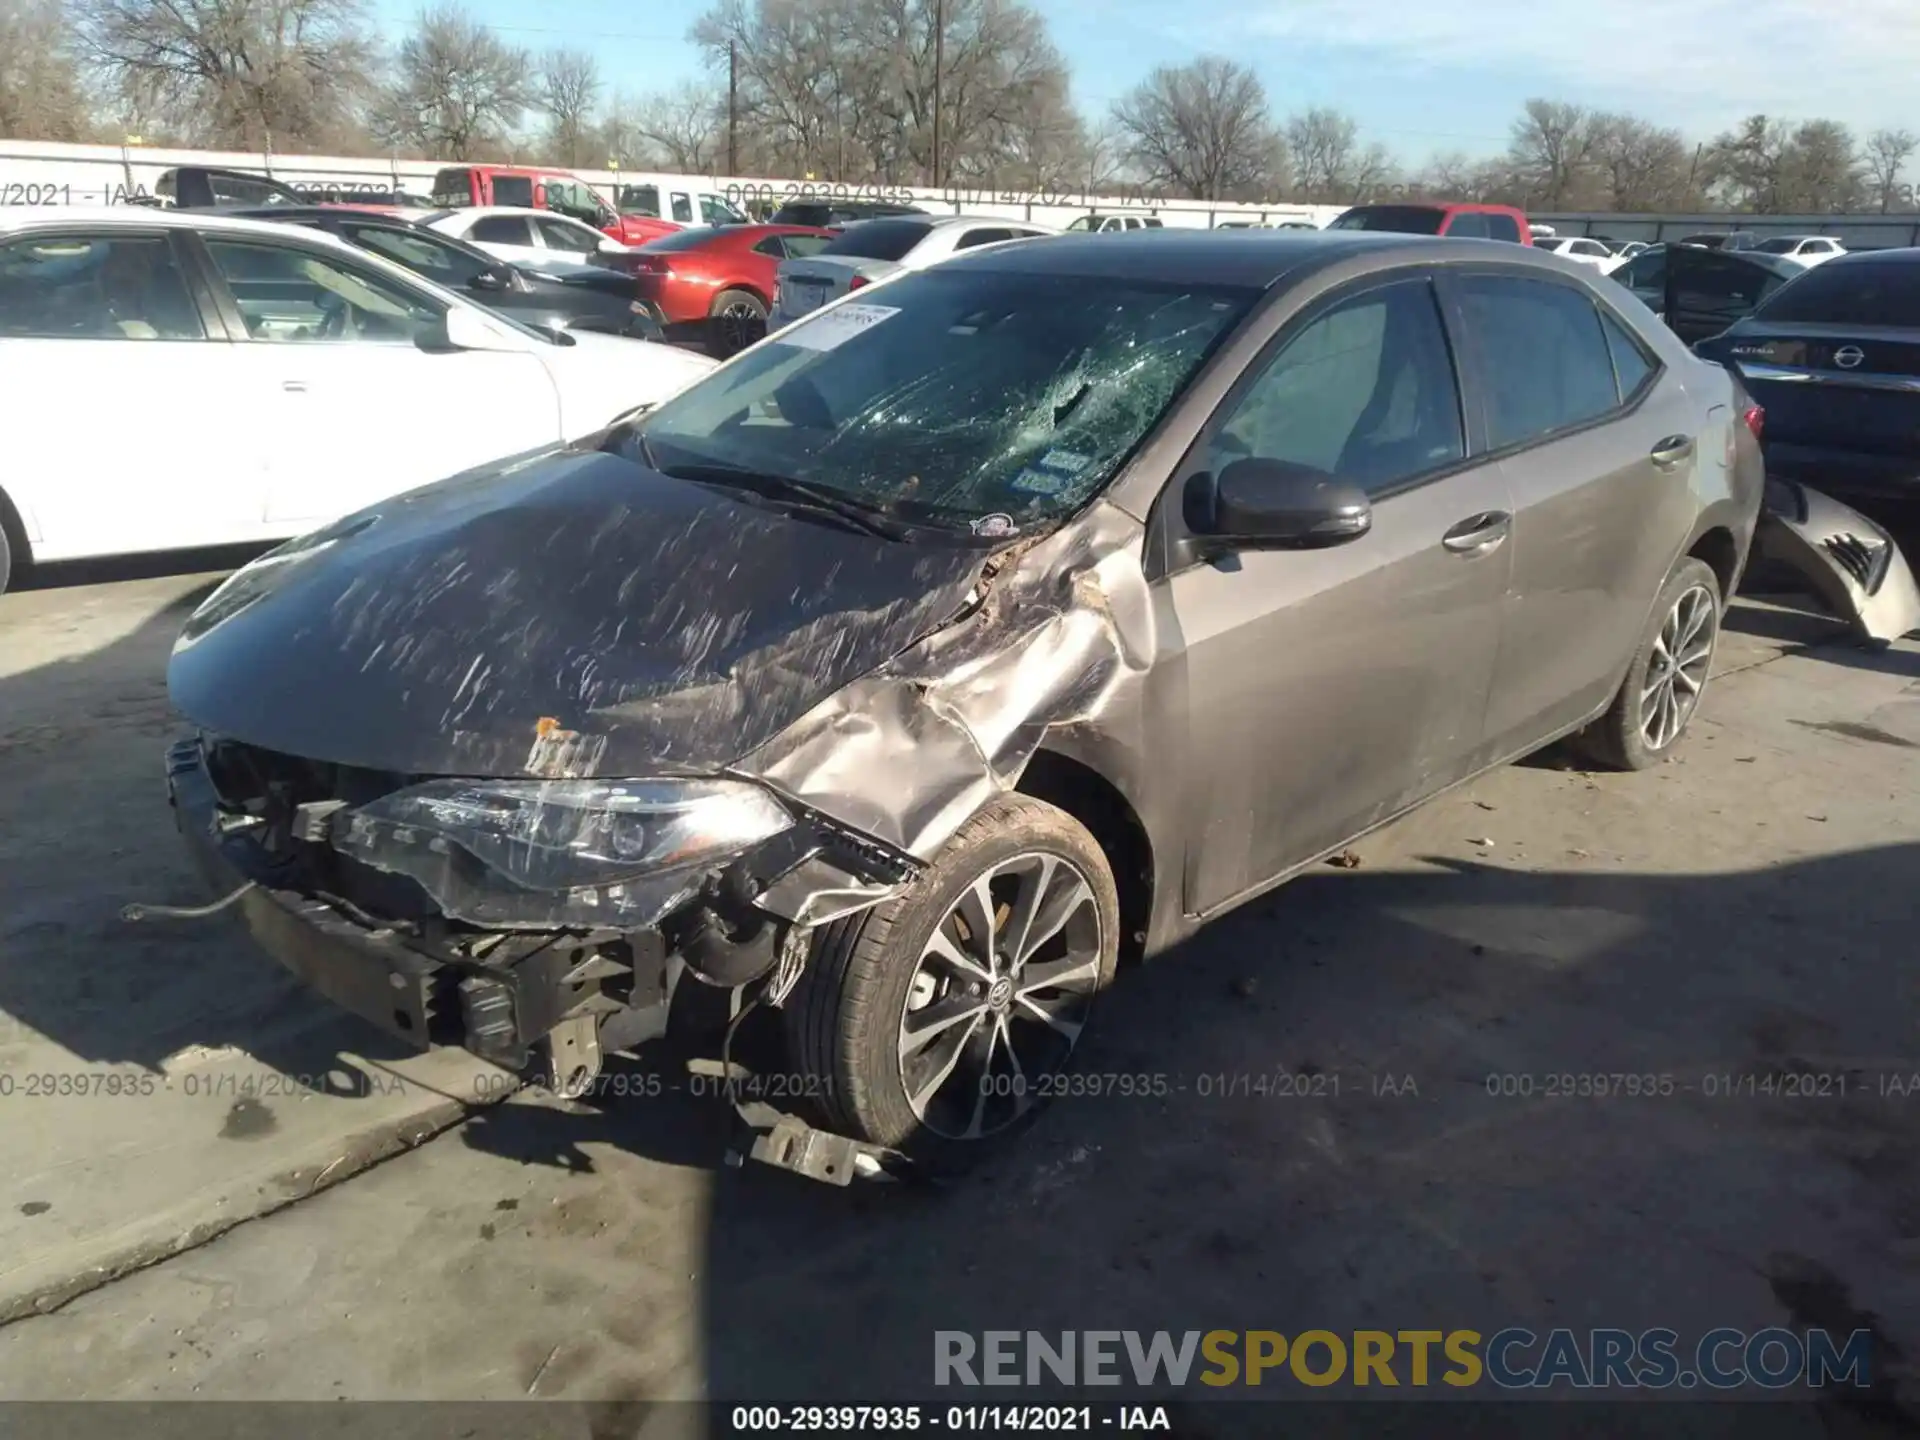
x: 567, y: 237
x: 501, y: 230
x: 1364, y: 391
x: 714, y: 212
x: 682, y: 208
x: 640, y: 200
x: 1469, y: 225
x: 514, y: 190
x: 422, y: 254
x: 77, y: 287
x: 1632, y: 365
x: 801, y: 246
x: 1545, y: 358
x: 1646, y: 271
x: 981, y: 237
x: 774, y: 245
x: 1502, y: 227
x: 287, y: 294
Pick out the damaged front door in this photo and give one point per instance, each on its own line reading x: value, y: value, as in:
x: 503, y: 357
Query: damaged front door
x: 1329, y: 688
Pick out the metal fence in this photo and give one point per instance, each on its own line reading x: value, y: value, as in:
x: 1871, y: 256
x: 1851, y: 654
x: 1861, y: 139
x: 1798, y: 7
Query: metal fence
x: 1856, y: 232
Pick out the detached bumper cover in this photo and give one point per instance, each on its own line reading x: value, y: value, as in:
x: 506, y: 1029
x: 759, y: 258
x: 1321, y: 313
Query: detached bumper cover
x: 1852, y: 564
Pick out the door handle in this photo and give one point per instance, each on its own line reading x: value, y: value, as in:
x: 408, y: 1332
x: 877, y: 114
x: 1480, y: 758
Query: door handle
x: 294, y: 387
x: 1671, y: 451
x: 1478, y: 534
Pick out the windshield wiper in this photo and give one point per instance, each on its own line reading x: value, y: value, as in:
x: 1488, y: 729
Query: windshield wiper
x: 801, y: 494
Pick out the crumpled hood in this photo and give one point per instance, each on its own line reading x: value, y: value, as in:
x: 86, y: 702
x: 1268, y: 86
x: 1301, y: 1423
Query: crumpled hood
x: 572, y: 613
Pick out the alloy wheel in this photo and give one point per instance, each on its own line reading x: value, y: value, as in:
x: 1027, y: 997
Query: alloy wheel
x: 999, y: 996
x: 740, y: 326
x: 1677, y: 668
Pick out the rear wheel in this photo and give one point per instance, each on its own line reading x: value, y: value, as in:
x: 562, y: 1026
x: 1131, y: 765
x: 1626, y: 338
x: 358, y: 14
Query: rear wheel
x: 941, y: 1020
x: 6, y: 559
x: 1667, y: 677
x: 737, y: 320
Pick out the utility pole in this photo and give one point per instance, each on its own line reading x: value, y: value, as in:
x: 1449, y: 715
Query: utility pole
x: 939, y: 64
x: 733, y: 108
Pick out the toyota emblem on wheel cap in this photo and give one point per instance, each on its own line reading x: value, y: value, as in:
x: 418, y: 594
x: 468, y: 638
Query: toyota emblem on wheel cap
x: 1848, y: 357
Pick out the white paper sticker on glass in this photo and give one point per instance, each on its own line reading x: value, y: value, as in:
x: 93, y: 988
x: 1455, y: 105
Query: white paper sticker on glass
x: 836, y: 327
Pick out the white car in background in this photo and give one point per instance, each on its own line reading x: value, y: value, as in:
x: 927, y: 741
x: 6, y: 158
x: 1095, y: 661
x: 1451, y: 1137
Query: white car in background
x: 537, y: 239
x: 874, y: 249
x: 1807, y: 249
x: 1581, y: 249
x: 250, y: 381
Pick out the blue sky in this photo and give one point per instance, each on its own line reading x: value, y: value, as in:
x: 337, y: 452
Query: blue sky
x: 1419, y: 75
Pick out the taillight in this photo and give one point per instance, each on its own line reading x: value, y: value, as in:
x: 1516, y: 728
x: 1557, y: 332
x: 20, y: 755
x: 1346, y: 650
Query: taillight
x: 1756, y: 418
x: 856, y: 282
x: 652, y: 264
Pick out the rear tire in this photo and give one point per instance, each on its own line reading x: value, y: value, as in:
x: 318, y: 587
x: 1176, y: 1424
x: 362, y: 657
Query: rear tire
x: 894, y: 994
x: 1662, y: 690
x: 6, y: 560
x: 738, y: 319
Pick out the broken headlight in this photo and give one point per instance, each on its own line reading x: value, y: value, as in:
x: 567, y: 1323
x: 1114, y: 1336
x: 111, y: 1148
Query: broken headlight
x: 574, y: 834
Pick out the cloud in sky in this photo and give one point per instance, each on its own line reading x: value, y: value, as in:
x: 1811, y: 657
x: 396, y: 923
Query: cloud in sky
x: 1699, y: 64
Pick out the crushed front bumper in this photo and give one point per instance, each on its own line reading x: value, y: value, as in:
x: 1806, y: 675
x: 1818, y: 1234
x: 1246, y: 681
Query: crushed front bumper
x: 545, y: 995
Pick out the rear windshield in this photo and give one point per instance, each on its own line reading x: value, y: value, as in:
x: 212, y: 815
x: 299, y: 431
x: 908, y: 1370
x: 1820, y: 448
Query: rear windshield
x: 1849, y: 292
x: 878, y: 239
x: 453, y: 187
x: 639, y: 200
x: 689, y: 239
x: 1777, y: 247
x: 1404, y: 219
x: 514, y: 190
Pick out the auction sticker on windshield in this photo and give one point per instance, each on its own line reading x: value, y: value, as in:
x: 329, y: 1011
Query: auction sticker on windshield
x: 836, y: 327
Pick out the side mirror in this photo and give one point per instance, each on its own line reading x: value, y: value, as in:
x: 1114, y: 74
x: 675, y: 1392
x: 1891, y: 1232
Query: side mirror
x: 490, y: 280
x: 1256, y: 504
x: 463, y: 329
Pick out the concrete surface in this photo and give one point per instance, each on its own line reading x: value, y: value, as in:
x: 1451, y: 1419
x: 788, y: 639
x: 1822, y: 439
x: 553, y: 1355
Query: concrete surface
x: 158, y: 1081
x: 1744, y: 911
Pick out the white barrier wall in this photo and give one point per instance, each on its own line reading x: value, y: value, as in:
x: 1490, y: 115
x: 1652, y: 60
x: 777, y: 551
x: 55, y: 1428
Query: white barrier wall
x: 44, y: 173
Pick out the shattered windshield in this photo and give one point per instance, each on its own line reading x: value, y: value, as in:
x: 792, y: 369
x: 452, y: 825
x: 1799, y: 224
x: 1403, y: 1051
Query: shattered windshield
x: 956, y: 395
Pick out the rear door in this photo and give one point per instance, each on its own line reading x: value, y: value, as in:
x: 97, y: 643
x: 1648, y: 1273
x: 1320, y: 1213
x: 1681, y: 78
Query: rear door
x: 360, y: 411
x: 1598, y: 443
x: 112, y: 325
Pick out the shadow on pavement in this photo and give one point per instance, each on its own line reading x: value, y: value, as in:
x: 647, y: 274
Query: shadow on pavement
x: 1332, y: 1110
x: 85, y: 829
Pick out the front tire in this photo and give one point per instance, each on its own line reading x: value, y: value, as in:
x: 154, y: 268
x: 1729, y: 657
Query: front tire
x: 1669, y: 673
x: 941, y: 1020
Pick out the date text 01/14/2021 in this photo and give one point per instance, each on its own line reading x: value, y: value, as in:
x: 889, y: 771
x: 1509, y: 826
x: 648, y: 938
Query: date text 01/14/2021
x: 963, y: 1419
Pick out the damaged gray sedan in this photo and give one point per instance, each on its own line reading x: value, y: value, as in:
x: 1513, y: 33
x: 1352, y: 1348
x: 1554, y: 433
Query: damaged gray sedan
x: 935, y: 655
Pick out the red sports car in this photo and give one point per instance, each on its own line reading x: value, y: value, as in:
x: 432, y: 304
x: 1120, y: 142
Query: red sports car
x: 716, y: 282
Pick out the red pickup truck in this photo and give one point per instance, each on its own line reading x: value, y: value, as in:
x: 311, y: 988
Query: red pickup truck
x: 536, y: 189
x: 1480, y: 222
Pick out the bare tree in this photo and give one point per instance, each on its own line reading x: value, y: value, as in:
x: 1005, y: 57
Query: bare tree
x: 1640, y: 166
x: 569, y: 90
x: 1203, y: 130
x: 1330, y: 163
x: 256, y: 74
x: 685, y: 127
x: 1821, y: 170
x: 1747, y: 166
x: 458, y: 90
x: 1551, y: 153
x: 41, y: 95
x: 1103, y: 162
x: 1885, y: 156
x: 792, y: 59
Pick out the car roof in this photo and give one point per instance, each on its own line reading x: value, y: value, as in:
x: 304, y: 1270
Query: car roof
x: 18, y: 220
x: 480, y: 210
x: 1239, y: 257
